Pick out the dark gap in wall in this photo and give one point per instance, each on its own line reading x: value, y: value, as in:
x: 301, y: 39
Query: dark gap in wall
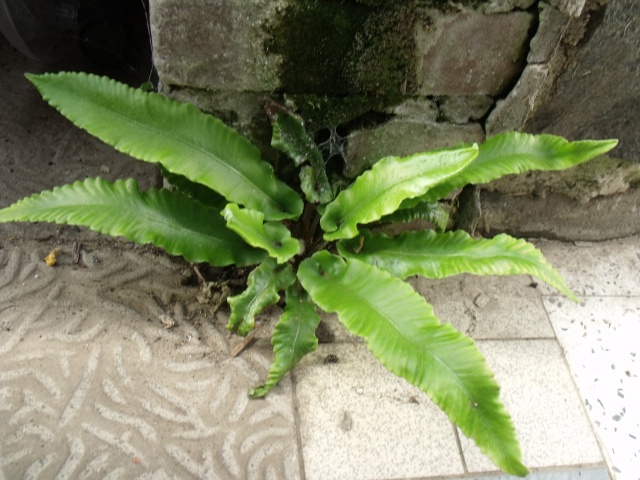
x: 483, y: 120
x: 332, y: 140
x: 105, y: 37
x: 523, y: 62
x: 534, y: 10
x: 368, y: 120
x: 441, y: 118
x: 595, y: 16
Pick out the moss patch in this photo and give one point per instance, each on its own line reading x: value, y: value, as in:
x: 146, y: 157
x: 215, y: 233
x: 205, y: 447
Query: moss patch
x: 321, y: 111
x: 348, y: 47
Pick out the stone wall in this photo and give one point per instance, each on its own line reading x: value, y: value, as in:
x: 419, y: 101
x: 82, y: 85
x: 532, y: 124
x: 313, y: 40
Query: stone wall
x: 380, y: 77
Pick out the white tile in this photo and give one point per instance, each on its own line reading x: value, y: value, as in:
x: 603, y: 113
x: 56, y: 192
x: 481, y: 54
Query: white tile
x: 539, y: 393
x: 601, y: 339
x: 488, y: 307
x: 604, y: 268
x: 358, y: 421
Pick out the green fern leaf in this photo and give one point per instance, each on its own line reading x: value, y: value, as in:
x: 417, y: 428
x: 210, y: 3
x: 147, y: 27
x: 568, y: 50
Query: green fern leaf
x: 197, y: 191
x: 380, y: 191
x: 263, y: 286
x: 177, y: 223
x: 403, y: 333
x: 430, y: 212
x: 274, y: 237
x: 514, y: 152
x: 291, y: 137
x: 439, y: 255
x: 184, y: 140
x: 293, y: 337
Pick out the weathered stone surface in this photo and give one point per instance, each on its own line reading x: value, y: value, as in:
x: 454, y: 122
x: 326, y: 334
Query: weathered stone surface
x: 601, y: 176
x: 477, y: 6
x: 598, y: 94
x: 401, y: 138
x: 300, y: 46
x: 559, y: 217
x: 501, y: 6
x: 461, y: 110
x: 213, y: 44
x: 552, y: 24
x: 471, y: 54
x: 570, y: 7
x: 421, y: 109
x: 512, y: 112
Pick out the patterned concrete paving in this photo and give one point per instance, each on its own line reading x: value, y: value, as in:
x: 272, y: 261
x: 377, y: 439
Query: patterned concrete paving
x: 116, y: 371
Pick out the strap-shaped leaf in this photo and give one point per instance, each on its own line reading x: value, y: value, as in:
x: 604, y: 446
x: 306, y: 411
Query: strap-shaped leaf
x: 273, y: 237
x: 293, y: 337
x: 263, y: 286
x: 516, y: 152
x: 175, y: 222
x: 184, y: 140
x: 429, y: 211
x: 314, y: 184
x: 403, y: 333
x: 379, y: 191
x: 210, y: 198
x: 439, y: 255
x: 291, y: 137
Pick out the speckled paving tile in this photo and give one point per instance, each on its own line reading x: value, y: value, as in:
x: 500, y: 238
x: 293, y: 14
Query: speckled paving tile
x: 601, y: 340
x: 358, y: 421
x: 488, y: 307
x: 605, y: 268
x: 538, y: 391
x: 115, y: 371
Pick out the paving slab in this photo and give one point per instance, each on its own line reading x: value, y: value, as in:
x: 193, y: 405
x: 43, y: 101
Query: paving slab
x: 358, y: 421
x: 601, y: 268
x: 488, y: 307
x: 600, y: 340
x: 539, y: 393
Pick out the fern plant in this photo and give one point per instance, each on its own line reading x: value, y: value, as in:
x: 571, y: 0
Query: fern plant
x: 311, y: 241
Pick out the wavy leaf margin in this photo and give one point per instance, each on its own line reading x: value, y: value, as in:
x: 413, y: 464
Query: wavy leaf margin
x: 406, y: 337
x: 186, y: 141
x: 177, y: 223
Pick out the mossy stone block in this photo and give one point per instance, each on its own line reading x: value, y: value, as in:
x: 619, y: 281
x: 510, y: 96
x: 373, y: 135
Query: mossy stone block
x: 403, y: 137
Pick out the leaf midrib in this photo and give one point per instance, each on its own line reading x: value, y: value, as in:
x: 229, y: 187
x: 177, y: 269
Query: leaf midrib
x: 382, y: 193
x: 483, y: 418
x: 191, y: 144
x: 371, y: 307
x: 144, y: 213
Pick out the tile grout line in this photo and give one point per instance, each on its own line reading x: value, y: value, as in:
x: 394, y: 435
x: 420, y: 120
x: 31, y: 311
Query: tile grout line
x: 592, y: 295
x: 296, y: 424
x: 465, y: 468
